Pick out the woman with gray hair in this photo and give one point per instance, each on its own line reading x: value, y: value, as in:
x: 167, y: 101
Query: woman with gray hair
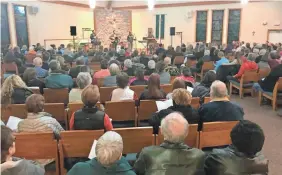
x: 110, y: 81
x: 109, y: 158
x: 151, y: 67
x: 83, y: 79
x: 128, y: 67
x: 262, y: 59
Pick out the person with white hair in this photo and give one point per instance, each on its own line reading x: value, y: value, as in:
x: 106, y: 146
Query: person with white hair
x: 31, y: 50
x: 83, y: 79
x: 173, y: 151
x: 128, y: 67
x: 40, y: 72
x: 108, y: 160
x: 151, y: 67
x: 110, y: 81
x: 220, y: 108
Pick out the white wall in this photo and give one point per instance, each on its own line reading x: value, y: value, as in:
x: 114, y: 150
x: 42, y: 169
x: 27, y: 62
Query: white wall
x: 53, y: 21
x: 253, y: 15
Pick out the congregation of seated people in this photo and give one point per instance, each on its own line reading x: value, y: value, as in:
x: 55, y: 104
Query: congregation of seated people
x: 64, y: 69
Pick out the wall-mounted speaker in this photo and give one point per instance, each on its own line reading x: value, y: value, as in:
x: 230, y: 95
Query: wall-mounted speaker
x: 73, y: 30
x: 172, y: 31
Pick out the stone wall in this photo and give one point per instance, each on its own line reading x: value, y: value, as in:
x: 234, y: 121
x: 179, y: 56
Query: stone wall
x: 108, y: 20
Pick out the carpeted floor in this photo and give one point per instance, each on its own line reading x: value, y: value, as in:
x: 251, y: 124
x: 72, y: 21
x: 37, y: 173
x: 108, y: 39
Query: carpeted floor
x: 272, y: 126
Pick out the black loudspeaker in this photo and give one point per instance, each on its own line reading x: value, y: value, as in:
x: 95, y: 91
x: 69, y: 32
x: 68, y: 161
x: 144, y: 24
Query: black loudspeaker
x: 172, y: 31
x: 73, y: 30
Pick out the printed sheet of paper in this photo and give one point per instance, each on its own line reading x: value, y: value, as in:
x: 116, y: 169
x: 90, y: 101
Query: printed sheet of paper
x: 92, y: 153
x: 189, y: 89
x: 164, y: 104
x: 13, y: 123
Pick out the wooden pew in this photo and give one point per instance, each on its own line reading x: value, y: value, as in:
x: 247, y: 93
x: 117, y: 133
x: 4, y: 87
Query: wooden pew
x: 146, y: 109
x: 105, y: 93
x: 195, y: 102
x: 122, y: 111
x: 135, y: 139
x: 76, y: 144
x: 167, y: 88
x: 34, y: 146
x: 216, y: 134
x: 191, y: 140
x: 138, y: 89
x: 56, y: 95
x: 19, y: 110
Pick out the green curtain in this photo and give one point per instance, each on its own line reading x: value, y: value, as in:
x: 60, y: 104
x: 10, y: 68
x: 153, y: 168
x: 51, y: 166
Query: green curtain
x: 157, y: 26
x: 162, y: 26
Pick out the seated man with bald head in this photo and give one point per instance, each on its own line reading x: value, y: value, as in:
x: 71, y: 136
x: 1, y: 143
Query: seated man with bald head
x: 173, y: 156
x: 220, y: 108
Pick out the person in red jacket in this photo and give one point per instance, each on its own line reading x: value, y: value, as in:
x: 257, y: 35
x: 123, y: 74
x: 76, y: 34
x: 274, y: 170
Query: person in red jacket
x: 247, y: 65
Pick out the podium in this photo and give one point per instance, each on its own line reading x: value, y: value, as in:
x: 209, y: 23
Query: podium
x: 151, y: 43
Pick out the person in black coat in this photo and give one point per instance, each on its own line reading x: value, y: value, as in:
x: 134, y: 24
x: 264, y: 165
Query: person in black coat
x: 181, y: 103
x: 29, y: 77
x: 268, y: 83
x: 220, y: 108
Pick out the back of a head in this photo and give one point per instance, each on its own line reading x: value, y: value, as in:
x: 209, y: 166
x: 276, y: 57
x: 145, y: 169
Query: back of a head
x: 46, y: 56
x: 54, y: 65
x: 151, y: 64
x: 122, y: 79
x: 35, y: 103
x: 247, y: 137
x: 174, y: 128
x: 218, y: 90
x: 181, y: 97
x: 128, y: 63
x: 90, y: 95
x: 178, y: 49
x: 220, y: 54
x: 139, y: 73
x: 109, y: 148
x: 7, y: 141
x: 274, y: 55
x: 29, y: 74
x: 104, y: 64
x: 251, y: 57
x: 167, y: 61
x: 154, y: 85
x: 80, y: 61
x: 37, y: 62
x: 160, y: 66
x: 83, y: 79
x: 186, y: 72
x: 209, y: 78
x: 178, y: 83
x: 114, y: 69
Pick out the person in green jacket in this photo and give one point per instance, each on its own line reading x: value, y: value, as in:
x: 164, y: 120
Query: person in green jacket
x: 173, y: 156
x: 109, y: 158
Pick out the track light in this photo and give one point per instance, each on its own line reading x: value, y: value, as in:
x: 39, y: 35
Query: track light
x: 244, y: 1
x: 92, y: 4
x: 151, y: 4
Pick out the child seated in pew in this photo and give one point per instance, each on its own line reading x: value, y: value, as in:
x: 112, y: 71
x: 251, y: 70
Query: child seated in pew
x: 11, y: 165
x: 90, y: 117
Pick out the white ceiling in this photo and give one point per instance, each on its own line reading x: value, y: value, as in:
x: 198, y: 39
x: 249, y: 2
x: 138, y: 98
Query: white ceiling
x: 126, y: 3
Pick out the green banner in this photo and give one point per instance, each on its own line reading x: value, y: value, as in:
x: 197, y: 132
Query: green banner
x: 162, y: 26
x: 157, y: 26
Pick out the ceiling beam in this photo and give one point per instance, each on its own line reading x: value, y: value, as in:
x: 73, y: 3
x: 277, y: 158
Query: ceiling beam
x: 195, y: 3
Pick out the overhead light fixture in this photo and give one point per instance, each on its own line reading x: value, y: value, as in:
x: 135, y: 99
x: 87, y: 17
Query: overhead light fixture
x: 244, y: 2
x: 92, y: 4
x: 151, y: 4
